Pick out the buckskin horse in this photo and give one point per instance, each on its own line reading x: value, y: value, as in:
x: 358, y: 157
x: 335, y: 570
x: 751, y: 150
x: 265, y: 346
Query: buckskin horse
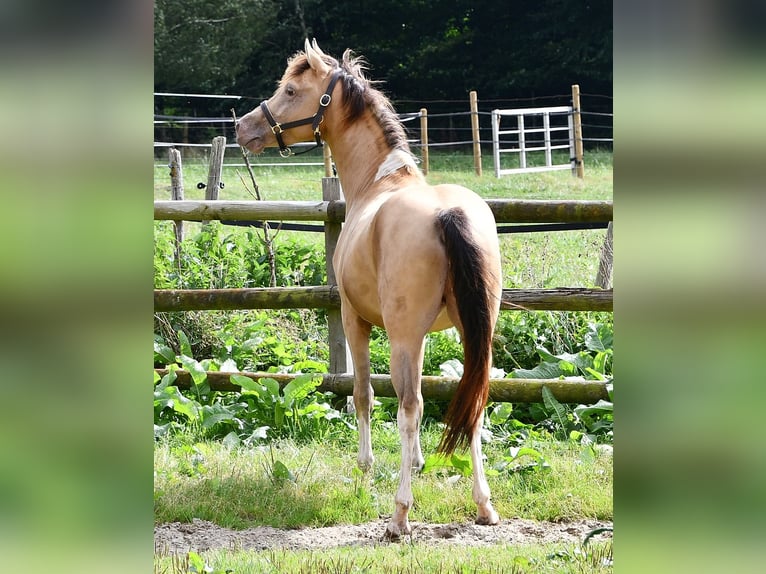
x: 411, y: 257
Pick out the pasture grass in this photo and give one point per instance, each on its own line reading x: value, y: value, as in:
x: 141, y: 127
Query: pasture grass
x: 406, y: 558
x: 291, y: 485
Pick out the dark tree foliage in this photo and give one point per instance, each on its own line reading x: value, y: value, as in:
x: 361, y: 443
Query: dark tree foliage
x: 424, y: 50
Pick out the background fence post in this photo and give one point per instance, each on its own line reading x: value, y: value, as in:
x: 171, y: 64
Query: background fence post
x: 176, y: 194
x: 604, y: 275
x: 340, y: 361
x: 475, y: 131
x: 424, y: 138
x: 576, y: 116
x: 217, y: 150
x: 327, y: 158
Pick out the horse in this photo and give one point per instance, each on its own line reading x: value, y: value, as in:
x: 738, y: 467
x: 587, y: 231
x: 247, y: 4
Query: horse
x: 411, y: 258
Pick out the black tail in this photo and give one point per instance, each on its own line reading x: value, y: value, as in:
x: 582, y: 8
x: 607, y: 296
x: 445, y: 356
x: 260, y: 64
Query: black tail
x: 470, y: 280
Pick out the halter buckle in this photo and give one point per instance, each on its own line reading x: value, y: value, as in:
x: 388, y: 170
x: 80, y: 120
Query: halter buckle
x: 285, y: 152
x: 276, y: 129
x: 325, y: 100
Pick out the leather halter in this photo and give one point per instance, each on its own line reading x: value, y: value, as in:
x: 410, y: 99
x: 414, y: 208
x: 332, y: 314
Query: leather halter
x: 315, y: 120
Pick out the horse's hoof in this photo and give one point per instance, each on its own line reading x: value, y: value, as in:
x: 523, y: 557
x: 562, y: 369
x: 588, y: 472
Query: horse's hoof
x: 490, y: 519
x: 365, y: 465
x: 394, y: 532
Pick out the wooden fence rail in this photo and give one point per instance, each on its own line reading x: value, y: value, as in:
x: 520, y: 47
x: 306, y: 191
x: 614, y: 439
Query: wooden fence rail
x: 439, y: 388
x: 505, y: 210
x: 327, y: 297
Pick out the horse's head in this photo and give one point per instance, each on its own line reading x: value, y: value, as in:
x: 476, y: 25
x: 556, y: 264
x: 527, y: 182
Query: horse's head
x: 296, y: 110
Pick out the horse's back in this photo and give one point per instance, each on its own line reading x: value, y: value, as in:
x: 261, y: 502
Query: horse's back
x: 395, y: 258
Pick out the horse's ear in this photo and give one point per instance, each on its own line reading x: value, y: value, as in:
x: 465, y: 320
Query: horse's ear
x: 316, y: 47
x: 314, y: 56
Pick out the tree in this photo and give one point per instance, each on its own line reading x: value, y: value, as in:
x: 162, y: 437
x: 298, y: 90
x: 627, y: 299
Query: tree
x: 204, y: 45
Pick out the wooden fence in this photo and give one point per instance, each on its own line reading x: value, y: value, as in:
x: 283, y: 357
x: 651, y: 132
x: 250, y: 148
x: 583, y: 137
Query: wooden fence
x: 331, y: 211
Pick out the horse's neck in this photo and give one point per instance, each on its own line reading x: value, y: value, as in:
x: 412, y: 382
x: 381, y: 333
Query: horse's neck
x: 357, y: 162
x: 362, y: 156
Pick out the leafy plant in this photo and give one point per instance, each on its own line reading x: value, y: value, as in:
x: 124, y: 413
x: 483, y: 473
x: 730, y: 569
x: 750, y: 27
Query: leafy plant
x: 296, y: 410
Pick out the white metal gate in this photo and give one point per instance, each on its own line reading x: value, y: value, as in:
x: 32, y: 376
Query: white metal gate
x: 532, y: 138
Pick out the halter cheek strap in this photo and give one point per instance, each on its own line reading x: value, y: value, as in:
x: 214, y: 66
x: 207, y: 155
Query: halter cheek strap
x: 315, y: 120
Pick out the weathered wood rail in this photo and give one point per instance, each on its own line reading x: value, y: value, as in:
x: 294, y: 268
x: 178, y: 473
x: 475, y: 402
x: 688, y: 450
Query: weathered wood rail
x: 505, y: 210
x: 327, y: 297
x: 439, y: 388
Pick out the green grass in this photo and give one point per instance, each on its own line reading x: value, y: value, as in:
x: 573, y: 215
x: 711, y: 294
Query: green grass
x: 241, y: 488
x: 301, y: 183
x: 407, y: 558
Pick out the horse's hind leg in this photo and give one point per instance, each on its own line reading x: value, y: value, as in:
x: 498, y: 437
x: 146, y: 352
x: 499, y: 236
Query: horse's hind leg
x: 406, y: 367
x: 485, y: 514
x: 358, y: 336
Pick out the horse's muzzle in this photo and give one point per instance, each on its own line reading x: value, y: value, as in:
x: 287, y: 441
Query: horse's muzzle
x: 251, y: 130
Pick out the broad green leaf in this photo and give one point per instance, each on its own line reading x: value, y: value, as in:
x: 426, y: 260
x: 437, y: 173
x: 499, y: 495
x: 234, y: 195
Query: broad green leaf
x: 541, y: 371
x: 181, y: 404
x: 279, y: 415
x: 462, y: 463
x: 247, y: 383
x: 213, y: 414
x: 552, y: 404
x: 500, y: 413
x: 272, y: 386
x: 299, y: 388
x: 196, y: 563
x: 164, y: 352
x: 567, y: 369
x: 314, y: 366
x: 167, y: 380
x: 195, y: 369
x: 184, y: 344
x: 280, y: 472
x: 599, y: 337
x: 434, y: 461
x: 518, y: 452
x: 595, y: 374
x: 599, y: 361
x: 600, y: 407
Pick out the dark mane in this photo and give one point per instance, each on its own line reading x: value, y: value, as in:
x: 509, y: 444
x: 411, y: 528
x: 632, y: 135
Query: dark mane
x: 359, y: 95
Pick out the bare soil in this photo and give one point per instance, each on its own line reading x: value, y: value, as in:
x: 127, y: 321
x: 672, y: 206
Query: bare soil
x: 201, y: 535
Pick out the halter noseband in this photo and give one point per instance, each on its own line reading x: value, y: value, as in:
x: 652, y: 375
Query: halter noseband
x: 315, y: 120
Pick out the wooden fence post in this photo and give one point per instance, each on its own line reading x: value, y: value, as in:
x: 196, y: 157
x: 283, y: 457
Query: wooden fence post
x: 475, y: 131
x: 604, y: 275
x: 424, y: 138
x: 217, y: 150
x: 577, y: 117
x: 340, y: 361
x: 327, y: 158
x: 176, y: 194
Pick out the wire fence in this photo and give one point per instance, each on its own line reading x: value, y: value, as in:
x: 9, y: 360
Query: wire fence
x: 446, y: 129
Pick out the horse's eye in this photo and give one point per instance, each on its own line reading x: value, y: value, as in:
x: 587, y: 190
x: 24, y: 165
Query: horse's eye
x: 290, y: 91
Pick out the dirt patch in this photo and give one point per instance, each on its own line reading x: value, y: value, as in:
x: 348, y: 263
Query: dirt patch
x: 201, y: 535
